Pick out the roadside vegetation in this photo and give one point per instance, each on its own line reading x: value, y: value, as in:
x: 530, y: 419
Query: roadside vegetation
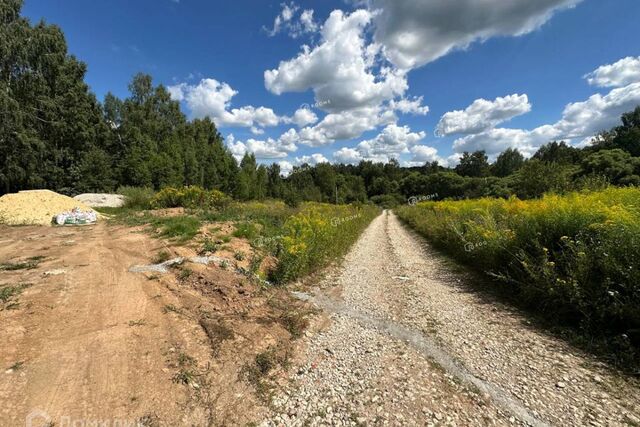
x: 302, y: 239
x: 575, y: 258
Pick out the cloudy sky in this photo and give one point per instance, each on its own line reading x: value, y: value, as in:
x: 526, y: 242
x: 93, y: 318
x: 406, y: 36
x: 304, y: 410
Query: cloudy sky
x: 346, y: 80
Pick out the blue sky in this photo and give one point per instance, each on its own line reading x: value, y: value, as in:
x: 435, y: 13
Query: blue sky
x: 493, y: 74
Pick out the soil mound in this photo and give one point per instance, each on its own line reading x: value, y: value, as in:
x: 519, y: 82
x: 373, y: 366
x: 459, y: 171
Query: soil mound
x: 36, y: 207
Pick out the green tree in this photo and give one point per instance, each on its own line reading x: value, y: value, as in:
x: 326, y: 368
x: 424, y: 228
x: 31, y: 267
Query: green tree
x: 507, y: 162
x: 473, y: 164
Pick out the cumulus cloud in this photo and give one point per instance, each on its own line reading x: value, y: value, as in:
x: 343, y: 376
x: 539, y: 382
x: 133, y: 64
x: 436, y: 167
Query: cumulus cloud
x: 425, y: 154
x: 313, y: 159
x: 482, y: 115
x: 340, y: 69
x: 347, y: 155
x: 416, y: 32
x: 263, y: 149
x: 619, y: 74
x: 409, y: 106
x: 346, y: 125
x: 210, y: 98
x: 302, y: 117
x: 285, y: 167
x: 579, y: 120
x: 391, y: 143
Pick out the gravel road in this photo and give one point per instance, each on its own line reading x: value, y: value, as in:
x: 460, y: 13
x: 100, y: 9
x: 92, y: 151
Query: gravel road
x: 410, y: 343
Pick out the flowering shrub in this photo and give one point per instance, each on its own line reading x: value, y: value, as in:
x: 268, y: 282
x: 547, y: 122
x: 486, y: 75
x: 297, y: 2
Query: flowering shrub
x: 318, y: 234
x: 576, y: 257
x: 189, y: 197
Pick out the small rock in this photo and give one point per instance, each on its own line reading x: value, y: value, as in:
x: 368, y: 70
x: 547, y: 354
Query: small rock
x: 561, y: 384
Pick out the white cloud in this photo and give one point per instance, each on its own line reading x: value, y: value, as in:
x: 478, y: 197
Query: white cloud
x: 340, y: 69
x: 285, y: 167
x: 346, y: 125
x: 210, y: 98
x: 425, y: 154
x: 302, y: 117
x: 409, y: 106
x: 579, y: 120
x: 621, y: 73
x: 391, y: 142
x: 313, y: 159
x: 415, y: 32
x: 284, y: 17
x: 482, y: 115
x: 263, y: 149
x: 347, y: 155
x: 287, y: 21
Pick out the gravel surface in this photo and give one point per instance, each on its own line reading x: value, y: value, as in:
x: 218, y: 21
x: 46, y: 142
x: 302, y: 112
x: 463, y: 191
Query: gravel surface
x: 409, y: 343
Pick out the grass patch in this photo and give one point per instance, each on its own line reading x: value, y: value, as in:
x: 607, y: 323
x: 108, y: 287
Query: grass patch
x: 9, y: 294
x: 208, y: 247
x: 295, y: 322
x: 162, y: 256
x: 28, y: 264
x: 246, y: 230
x: 180, y: 228
x: 185, y: 273
x: 572, y: 259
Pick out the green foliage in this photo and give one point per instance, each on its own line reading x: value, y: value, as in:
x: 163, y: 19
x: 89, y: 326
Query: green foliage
x: 574, y: 257
x: 508, y: 162
x: 180, y: 228
x: 137, y: 197
x: 317, y: 235
x: 473, y: 164
x: 615, y: 165
x: 189, y: 197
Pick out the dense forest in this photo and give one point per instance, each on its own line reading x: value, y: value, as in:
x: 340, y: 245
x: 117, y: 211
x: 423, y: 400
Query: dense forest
x: 55, y: 134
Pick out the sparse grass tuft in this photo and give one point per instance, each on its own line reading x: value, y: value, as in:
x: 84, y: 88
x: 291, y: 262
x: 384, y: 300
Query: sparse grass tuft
x: 208, y: 246
x: 171, y: 308
x: 8, y: 294
x: 28, y: 264
x: 162, y: 256
x: 295, y: 322
x: 239, y: 256
x: 184, y: 273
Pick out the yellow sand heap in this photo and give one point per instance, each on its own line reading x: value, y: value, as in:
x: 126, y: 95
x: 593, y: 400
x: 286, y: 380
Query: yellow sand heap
x: 35, y: 207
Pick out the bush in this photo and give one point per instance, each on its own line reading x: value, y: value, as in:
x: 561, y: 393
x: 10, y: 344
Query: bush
x: 576, y: 258
x: 137, y: 197
x: 318, y: 234
x: 190, y: 197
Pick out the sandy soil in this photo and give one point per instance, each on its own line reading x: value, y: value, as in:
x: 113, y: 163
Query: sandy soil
x: 90, y: 341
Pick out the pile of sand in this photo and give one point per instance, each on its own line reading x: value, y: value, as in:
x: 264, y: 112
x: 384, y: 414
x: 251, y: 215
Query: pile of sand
x: 35, y: 207
x: 101, y: 200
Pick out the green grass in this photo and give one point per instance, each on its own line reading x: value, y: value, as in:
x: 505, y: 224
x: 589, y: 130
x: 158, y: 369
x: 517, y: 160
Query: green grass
x: 9, y: 294
x: 574, y: 259
x: 28, y: 264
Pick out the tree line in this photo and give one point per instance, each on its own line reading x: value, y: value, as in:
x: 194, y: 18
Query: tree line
x: 55, y: 134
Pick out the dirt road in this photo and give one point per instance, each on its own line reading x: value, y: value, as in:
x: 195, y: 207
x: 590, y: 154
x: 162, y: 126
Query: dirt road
x: 409, y: 343
x: 90, y: 343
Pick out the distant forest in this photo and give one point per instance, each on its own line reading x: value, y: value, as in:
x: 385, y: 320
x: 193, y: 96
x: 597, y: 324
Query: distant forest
x: 55, y: 134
